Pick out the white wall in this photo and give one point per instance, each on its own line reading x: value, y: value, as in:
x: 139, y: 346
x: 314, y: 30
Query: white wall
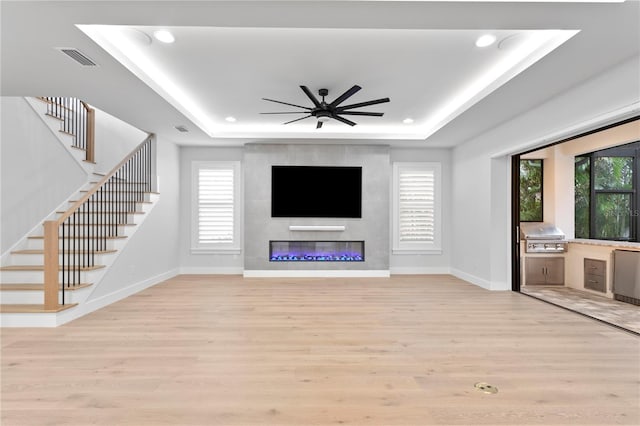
x: 200, y: 262
x: 153, y: 250
x: 37, y: 172
x: 480, y: 198
x: 114, y: 140
x: 427, y: 263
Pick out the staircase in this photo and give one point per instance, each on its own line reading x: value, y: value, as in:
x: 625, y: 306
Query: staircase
x: 56, y: 269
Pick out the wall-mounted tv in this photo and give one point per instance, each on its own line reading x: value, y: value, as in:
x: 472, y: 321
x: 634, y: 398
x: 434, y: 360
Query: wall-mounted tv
x: 314, y: 191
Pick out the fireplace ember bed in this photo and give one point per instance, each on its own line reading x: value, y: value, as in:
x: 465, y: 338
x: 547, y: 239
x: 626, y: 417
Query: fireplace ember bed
x: 316, y: 251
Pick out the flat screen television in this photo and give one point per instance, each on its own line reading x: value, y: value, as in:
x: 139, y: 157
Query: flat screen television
x: 314, y: 191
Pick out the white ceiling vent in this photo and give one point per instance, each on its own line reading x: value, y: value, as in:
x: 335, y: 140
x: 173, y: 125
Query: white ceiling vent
x: 181, y: 128
x: 77, y: 56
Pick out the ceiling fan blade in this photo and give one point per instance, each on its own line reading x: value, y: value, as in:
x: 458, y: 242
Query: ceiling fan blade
x: 289, y: 112
x: 344, y: 120
x: 340, y: 99
x: 285, y: 103
x: 307, y: 92
x: 297, y: 119
x: 362, y: 104
x: 372, y: 114
x: 319, y: 125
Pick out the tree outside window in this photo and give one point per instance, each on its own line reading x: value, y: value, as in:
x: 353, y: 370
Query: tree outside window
x: 606, y: 204
x: 531, y: 191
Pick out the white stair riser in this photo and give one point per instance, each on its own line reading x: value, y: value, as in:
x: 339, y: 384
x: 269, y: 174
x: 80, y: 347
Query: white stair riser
x: 37, y: 297
x: 38, y: 259
x: 120, y: 207
x: 27, y: 277
x: 109, y: 218
x: 38, y: 244
x: 94, y: 231
x: 117, y: 196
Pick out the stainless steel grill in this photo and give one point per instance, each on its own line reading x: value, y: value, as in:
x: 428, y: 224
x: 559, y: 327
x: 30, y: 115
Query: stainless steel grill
x: 541, y: 237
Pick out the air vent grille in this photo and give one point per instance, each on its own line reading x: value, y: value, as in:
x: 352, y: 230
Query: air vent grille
x: 181, y: 128
x: 78, y: 56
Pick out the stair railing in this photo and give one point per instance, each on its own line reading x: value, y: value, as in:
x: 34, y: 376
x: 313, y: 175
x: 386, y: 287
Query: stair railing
x: 85, y: 229
x: 78, y: 120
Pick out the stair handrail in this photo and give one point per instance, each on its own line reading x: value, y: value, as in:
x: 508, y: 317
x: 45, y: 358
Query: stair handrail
x: 97, y: 186
x: 52, y: 227
x: 82, y: 127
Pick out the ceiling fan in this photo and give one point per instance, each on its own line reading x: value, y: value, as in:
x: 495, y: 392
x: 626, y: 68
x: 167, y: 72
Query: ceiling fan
x: 324, y: 111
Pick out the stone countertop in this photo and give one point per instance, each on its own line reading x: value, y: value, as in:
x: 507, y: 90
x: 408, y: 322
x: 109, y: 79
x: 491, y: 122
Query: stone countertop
x: 606, y: 243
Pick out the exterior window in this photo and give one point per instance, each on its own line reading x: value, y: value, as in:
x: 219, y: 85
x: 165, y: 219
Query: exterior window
x: 531, y: 191
x: 606, y: 204
x: 215, y: 224
x: 416, y: 207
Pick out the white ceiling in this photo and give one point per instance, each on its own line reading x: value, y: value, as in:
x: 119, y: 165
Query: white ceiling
x: 229, y: 55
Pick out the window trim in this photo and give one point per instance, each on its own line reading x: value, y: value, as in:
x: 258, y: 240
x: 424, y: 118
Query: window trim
x: 408, y: 248
x: 235, y: 247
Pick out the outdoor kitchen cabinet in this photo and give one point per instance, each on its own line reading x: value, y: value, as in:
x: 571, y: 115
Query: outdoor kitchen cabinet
x: 544, y: 270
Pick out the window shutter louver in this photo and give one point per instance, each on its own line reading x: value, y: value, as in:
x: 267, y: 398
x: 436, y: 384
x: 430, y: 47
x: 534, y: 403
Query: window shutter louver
x: 215, y: 206
x: 416, y: 206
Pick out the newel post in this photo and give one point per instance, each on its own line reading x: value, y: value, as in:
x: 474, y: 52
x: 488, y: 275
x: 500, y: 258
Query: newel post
x: 51, y: 264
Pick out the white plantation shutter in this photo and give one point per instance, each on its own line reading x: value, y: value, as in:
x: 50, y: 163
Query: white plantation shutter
x: 215, y: 206
x: 416, y: 205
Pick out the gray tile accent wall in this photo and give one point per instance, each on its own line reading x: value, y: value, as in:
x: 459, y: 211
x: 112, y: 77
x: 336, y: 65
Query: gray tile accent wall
x: 260, y: 227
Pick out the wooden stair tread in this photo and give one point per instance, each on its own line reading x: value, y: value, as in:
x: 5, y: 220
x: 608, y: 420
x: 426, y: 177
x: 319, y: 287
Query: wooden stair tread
x: 41, y: 268
x: 94, y: 237
x: 113, y: 202
x: 119, y: 183
x: 103, y: 213
x: 38, y: 287
x: 104, y: 225
x: 36, y: 251
x: 50, y: 102
x: 48, y: 114
x: 33, y: 309
x: 126, y: 192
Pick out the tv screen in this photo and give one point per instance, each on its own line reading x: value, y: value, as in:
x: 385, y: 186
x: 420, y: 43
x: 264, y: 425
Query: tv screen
x: 312, y: 191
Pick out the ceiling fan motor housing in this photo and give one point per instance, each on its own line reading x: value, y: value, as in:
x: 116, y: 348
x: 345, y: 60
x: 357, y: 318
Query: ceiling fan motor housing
x: 324, y: 111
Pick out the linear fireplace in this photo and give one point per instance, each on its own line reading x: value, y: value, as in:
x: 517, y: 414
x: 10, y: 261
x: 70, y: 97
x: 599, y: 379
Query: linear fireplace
x: 316, y: 251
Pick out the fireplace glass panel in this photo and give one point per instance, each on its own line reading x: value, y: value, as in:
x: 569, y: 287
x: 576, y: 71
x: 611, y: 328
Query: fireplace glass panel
x: 316, y: 251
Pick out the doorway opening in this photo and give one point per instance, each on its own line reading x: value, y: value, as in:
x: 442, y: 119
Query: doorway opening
x: 553, y: 259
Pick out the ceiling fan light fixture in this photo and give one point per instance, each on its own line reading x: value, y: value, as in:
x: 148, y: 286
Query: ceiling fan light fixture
x: 323, y: 118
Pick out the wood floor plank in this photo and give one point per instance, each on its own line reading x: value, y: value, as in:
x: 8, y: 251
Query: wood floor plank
x: 405, y: 350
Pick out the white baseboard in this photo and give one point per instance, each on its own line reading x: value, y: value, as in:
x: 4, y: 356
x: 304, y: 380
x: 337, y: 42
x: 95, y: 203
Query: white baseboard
x: 95, y: 304
x: 471, y: 278
x: 196, y: 270
x: 316, y: 274
x: 411, y: 270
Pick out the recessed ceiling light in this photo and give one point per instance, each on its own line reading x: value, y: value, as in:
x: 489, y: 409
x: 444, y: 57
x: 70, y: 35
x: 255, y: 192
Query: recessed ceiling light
x: 408, y: 121
x: 230, y: 119
x: 164, y: 36
x: 485, y: 40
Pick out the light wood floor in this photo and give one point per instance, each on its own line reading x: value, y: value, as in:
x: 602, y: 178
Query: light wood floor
x: 213, y: 350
